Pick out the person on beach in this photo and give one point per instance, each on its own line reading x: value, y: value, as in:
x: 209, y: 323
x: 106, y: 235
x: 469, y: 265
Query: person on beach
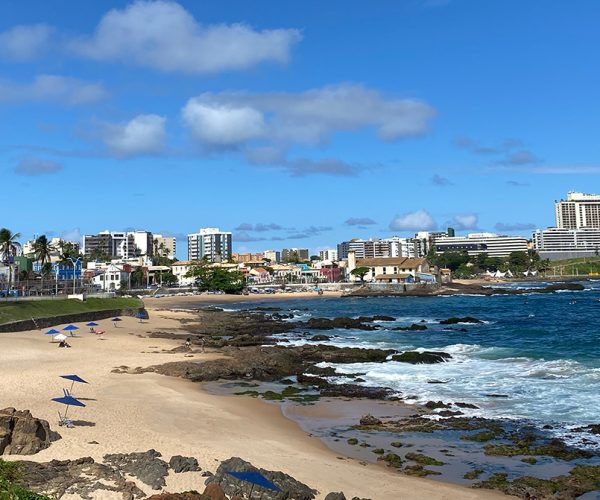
x: 63, y: 343
x: 188, y: 342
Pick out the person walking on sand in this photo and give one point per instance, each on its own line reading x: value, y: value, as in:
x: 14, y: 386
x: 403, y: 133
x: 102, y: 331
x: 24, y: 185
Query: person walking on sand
x: 188, y: 342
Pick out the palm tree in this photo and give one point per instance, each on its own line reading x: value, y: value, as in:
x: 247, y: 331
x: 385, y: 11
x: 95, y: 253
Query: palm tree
x: 8, y: 247
x: 42, y: 249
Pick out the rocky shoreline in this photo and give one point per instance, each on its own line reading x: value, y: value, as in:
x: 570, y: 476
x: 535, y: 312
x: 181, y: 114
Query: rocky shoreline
x: 251, y: 361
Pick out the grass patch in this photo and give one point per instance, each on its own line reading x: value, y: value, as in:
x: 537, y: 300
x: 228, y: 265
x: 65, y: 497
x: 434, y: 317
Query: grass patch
x: 27, y: 309
x: 10, y: 475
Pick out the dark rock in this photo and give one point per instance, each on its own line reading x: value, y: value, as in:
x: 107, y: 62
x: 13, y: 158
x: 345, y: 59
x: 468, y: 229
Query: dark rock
x: 593, y: 429
x: 186, y: 495
x: 183, y: 464
x: 356, y: 391
x: 413, y: 327
x: 290, y: 488
x: 214, y: 492
x: 319, y: 338
x: 425, y: 357
x: 497, y: 395
x: 82, y: 477
x: 369, y: 420
x: 23, y: 434
x: 449, y: 413
x: 432, y: 405
x: 466, y: 405
x: 335, y: 496
x: 454, y: 320
x: 343, y: 323
x: 146, y: 466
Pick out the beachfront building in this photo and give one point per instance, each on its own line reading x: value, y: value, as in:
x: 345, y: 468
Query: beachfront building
x: 390, y: 269
x: 557, y: 243
x: 578, y: 211
x: 118, y: 244
x: 111, y: 277
x: 165, y: 246
x: 273, y: 256
x: 180, y: 269
x: 330, y: 254
x: 294, y: 254
x: 209, y: 244
x: 478, y: 243
x: 406, y: 247
x: 259, y: 275
x: 364, y: 248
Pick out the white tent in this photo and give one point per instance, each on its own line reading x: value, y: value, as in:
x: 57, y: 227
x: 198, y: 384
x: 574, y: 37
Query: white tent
x: 59, y: 338
x: 498, y: 274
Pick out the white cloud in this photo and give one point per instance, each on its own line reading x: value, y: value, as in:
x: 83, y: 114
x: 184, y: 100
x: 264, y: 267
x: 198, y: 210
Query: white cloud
x: 222, y: 125
x: 465, y: 221
x: 310, y: 117
x: 420, y: 220
x: 24, y: 42
x: 144, y: 134
x: 164, y: 36
x: 52, y: 88
x: 34, y: 166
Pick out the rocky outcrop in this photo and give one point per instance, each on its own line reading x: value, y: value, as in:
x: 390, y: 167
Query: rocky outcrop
x: 342, y: 323
x: 23, y: 434
x: 146, y: 466
x: 425, y: 357
x: 289, y: 488
x: 455, y: 320
x: 369, y: 420
x: 82, y: 478
x: 183, y: 464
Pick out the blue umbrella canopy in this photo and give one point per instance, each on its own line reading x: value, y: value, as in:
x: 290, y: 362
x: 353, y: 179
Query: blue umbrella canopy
x: 255, y: 477
x: 91, y: 323
x: 140, y: 315
x: 68, y: 400
x: 52, y: 332
x: 69, y: 328
x: 74, y: 378
x: 116, y: 319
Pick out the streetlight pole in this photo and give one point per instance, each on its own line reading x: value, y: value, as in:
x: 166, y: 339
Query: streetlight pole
x: 74, y: 261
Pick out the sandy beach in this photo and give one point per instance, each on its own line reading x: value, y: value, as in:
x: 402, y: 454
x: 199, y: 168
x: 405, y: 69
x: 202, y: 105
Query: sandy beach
x: 127, y: 413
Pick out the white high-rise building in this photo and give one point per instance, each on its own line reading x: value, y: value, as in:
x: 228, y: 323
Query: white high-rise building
x: 556, y: 244
x: 477, y: 243
x: 211, y: 244
x: 579, y: 210
x: 272, y: 255
x: 330, y: 254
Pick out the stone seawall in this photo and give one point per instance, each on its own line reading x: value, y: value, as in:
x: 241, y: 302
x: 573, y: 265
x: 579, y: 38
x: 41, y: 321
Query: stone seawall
x: 394, y: 289
x: 42, y: 323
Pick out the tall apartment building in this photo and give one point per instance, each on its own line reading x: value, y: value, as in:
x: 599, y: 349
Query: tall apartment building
x: 579, y: 210
x: 272, y: 255
x: 165, y: 246
x: 406, y: 247
x: 210, y: 244
x: 329, y: 254
x: 477, y: 243
x: 294, y: 254
x: 118, y: 245
x: 556, y: 243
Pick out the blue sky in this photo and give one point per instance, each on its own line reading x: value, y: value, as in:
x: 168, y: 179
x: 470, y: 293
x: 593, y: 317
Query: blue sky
x: 296, y: 123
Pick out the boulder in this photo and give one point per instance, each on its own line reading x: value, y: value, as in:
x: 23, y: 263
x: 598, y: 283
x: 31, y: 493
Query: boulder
x: 356, y: 391
x: 23, y: 434
x: 432, y: 405
x: 335, y: 496
x: 289, y: 488
x: 183, y: 464
x: 369, y: 420
x: 186, y: 495
x: 465, y: 319
x: 214, y: 492
x: 425, y: 357
x: 146, y: 466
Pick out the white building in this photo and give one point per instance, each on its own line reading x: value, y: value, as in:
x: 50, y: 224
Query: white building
x: 180, y: 269
x: 272, y: 255
x: 477, y: 243
x: 405, y: 247
x: 211, y: 244
x: 388, y: 269
x: 166, y: 246
x: 119, y: 244
x: 556, y: 243
x: 110, y: 278
x: 330, y: 254
x: 579, y: 210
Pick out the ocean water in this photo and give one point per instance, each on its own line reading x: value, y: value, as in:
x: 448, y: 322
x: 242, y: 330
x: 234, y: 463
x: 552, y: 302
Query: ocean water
x: 535, y: 357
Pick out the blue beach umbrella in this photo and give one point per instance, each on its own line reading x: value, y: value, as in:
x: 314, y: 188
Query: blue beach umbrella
x: 67, y: 400
x: 254, y: 478
x: 73, y: 379
x: 52, y: 332
x: 70, y: 328
x: 115, y: 320
x: 140, y: 316
x: 91, y: 324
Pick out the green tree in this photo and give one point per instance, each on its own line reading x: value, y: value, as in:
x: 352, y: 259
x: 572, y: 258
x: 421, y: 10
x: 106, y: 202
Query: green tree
x: 214, y: 278
x: 361, y: 272
x: 42, y: 249
x: 169, y: 279
x: 518, y: 261
x: 8, y: 249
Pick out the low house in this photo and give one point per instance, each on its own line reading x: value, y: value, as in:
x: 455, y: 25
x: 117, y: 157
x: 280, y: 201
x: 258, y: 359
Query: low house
x: 390, y: 269
x: 110, y: 278
x: 259, y: 275
x: 181, y: 268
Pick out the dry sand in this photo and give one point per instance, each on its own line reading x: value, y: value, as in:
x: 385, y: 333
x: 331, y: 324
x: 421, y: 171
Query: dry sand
x: 127, y: 413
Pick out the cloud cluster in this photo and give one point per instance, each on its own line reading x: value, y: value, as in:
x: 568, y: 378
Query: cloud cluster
x: 464, y: 222
x: 144, y: 134
x: 509, y: 153
x: 163, y: 35
x: 516, y: 226
x: 360, y: 221
x: 420, y: 220
x: 24, y: 42
x: 438, y: 180
x: 52, y: 88
x: 243, y: 232
x: 32, y: 167
x: 259, y: 227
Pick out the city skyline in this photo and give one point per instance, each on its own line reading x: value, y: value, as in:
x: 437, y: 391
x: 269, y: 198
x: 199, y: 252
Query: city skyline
x: 319, y: 124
